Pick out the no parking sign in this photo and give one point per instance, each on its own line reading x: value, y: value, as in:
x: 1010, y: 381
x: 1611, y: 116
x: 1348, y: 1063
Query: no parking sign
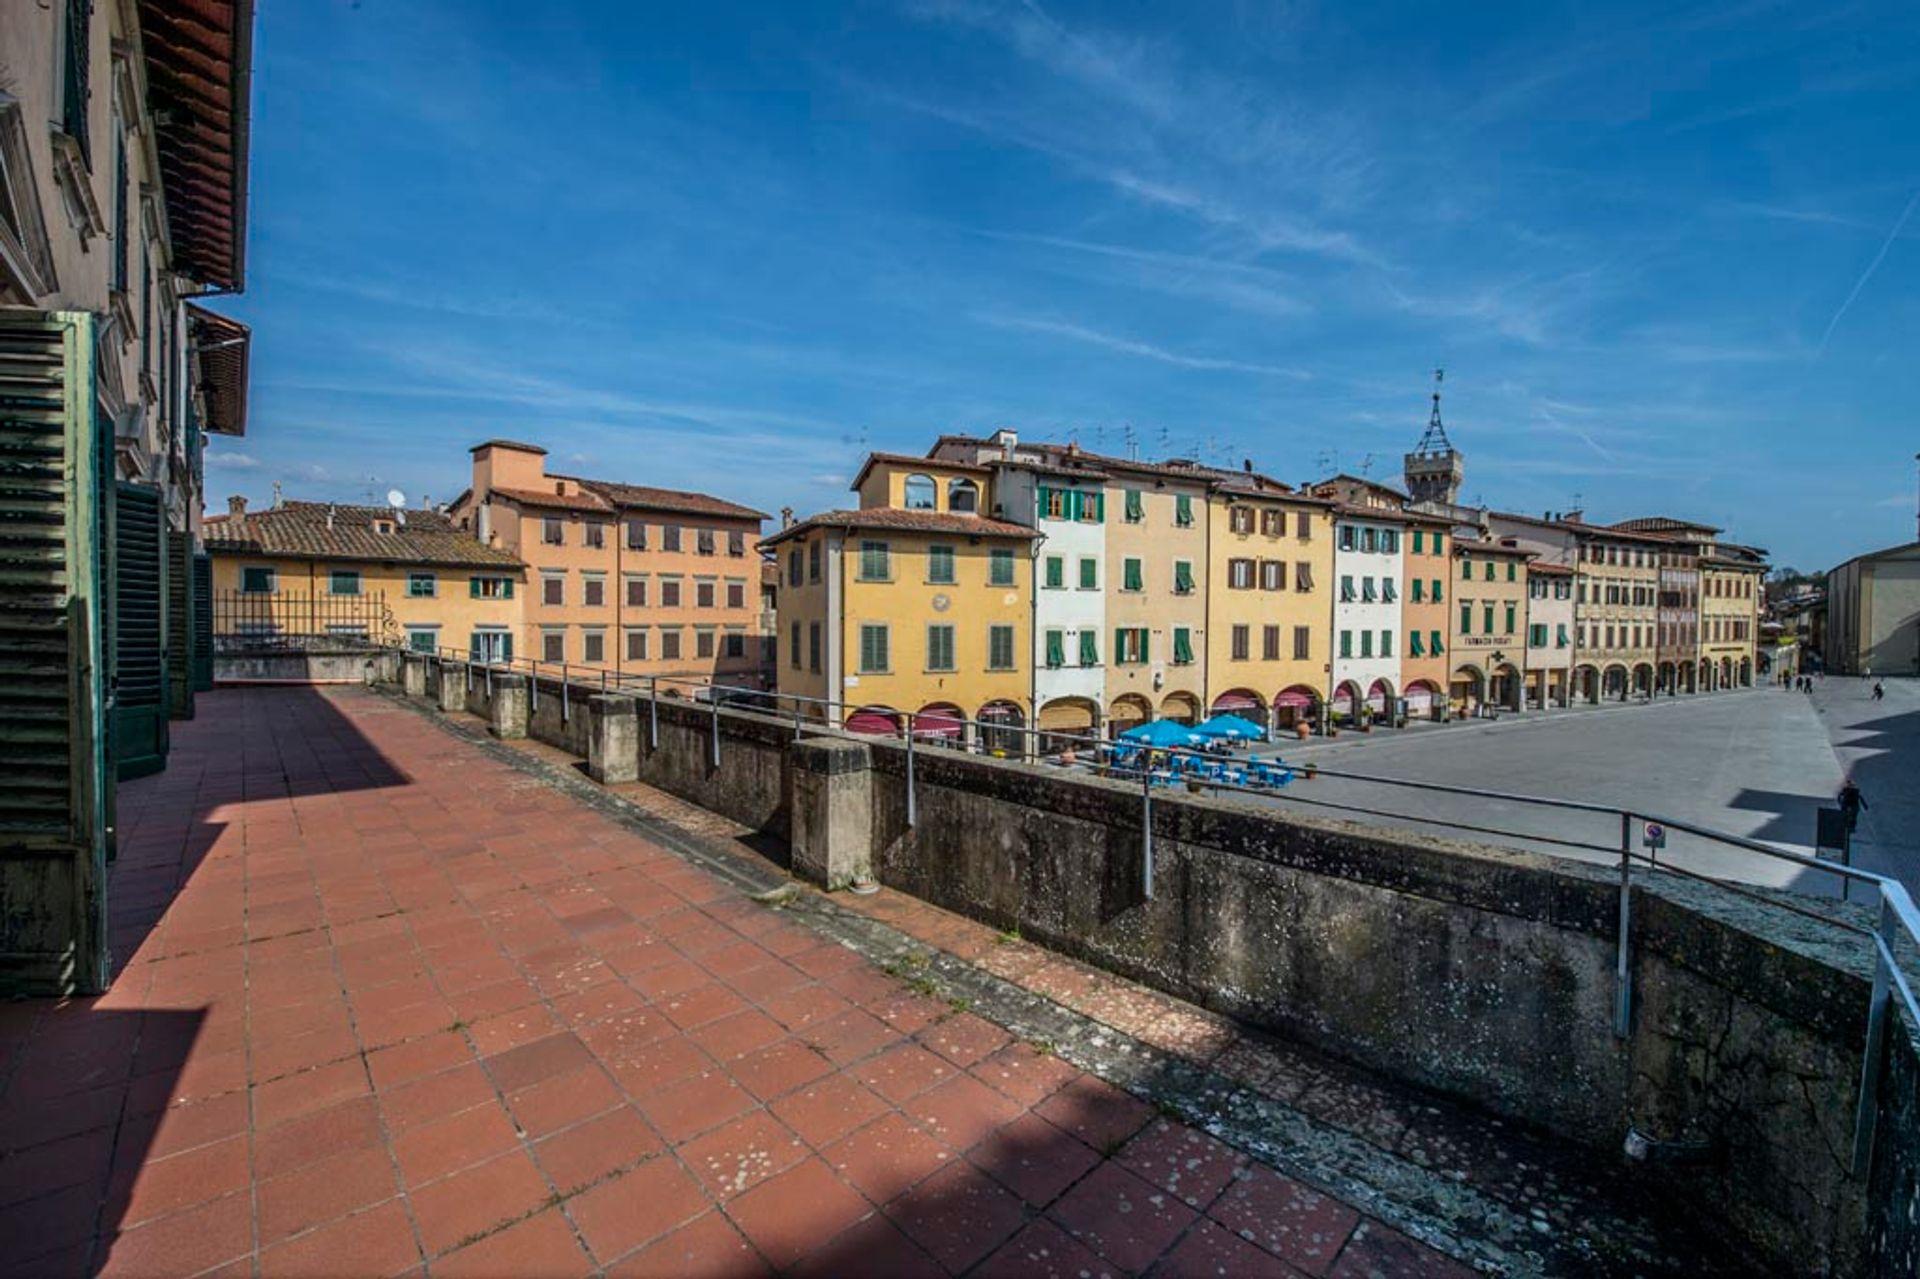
x: 1654, y: 836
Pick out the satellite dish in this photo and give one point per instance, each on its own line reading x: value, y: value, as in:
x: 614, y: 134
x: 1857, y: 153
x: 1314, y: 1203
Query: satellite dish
x: 396, y: 499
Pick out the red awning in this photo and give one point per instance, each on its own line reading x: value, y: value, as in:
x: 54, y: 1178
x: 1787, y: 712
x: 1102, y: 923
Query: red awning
x: 1235, y: 702
x: 878, y: 723
x: 938, y: 721
x: 1299, y: 698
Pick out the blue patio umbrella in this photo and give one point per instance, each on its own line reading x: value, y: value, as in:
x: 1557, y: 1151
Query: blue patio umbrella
x: 1163, y: 734
x: 1224, y: 725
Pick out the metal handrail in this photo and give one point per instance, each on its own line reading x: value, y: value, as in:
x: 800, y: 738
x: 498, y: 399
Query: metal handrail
x: 1897, y: 910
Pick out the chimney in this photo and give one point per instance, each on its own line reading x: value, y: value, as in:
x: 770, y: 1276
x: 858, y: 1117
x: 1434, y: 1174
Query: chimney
x: 329, y: 517
x: 1007, y: 441
x: 786, y: 517
x: 1246, y: 464
x: 237, y: 511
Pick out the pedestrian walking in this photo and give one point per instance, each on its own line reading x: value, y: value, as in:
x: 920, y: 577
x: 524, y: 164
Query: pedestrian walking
x: 1879, y: 691
x: 1851, y: 802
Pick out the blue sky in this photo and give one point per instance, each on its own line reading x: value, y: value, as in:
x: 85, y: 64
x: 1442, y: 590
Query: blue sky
x: 1668, y: 255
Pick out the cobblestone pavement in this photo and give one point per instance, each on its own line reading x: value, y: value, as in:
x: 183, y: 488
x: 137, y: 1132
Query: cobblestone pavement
x: 389, y: 1004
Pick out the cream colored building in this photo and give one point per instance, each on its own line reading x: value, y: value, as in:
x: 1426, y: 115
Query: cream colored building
x: 1873, y: 614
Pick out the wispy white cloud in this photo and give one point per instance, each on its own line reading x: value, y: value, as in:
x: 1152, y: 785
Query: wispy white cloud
x: 1145, y: 350
x: 1254, y: 289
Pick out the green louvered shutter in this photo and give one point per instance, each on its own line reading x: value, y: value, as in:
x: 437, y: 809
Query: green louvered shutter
x: 139, y: 632
x: 179, y: 624
x: 1089, y: 647
x: 1056, y: 650
x: 202, y: 622
x: 1145, y: 635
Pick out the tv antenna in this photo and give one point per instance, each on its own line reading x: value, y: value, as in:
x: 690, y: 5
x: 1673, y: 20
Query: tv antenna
x: 1366, y: 465
x: 1132, y: 437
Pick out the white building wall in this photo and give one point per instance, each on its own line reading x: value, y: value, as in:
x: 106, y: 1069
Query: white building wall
x: 1069, y: 609
x: 1379, y: 617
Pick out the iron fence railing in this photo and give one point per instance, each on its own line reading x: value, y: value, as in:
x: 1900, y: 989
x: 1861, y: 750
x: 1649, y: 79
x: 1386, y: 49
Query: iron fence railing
x: 1895, y: 926
x: 296, y: 619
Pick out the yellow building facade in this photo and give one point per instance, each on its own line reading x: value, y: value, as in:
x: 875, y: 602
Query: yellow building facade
x: 894, y: 615
x: 1269, y: 601
x: 1157, y: 531
x: 1488, y: 636
x: 391, y: 577
x: 1730, y: 599
x: 1425, y: 589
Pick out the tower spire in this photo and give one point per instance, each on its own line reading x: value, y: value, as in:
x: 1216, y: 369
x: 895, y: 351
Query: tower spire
x: 1435, y: 468
x: 1435, y: 440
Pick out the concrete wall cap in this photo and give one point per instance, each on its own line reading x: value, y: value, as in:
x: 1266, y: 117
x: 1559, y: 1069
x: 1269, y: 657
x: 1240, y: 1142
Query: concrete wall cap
x: 832, y: 755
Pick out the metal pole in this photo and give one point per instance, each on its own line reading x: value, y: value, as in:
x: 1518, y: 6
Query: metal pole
x: 796, y: 719
x: 565, y: 695
x: 913, y: 809
x: 1146, y: 830
x: 1623, y: 976
x: 653, y: 712
x: 533, y: 687
x: 713, y: 700
x: 1878, y: 1010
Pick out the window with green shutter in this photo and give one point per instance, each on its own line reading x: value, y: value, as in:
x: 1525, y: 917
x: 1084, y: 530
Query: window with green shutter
x: 1145, y: 653
x: 1466, y: 570
x: 1438, y: 598
x: 422, y: 585
x: 875, y: 562
x: 257, y: 581
x: 873, y: 649
x: 1413, y: 644
x: 1418, y: 590
x: 1056, y: 571
x: 940, y: 565
x: 1438, y: 544
x: 1466, y: 619
x: 1136, y: 506
x: 1419, y: 541
x: 1433, y: 643
x: 1183, y: 577
x: 1000, y: 648
x: 1509, y: 618
x: 1000, y: 568
x: 1182, y: 646
x: 1486, y: 615
x: 1089, y: 574
x: 1512, y: 568
x: 1386, y: 643
x: 344, y: 581
x: 1131, y: 575
x: 1488, y: 575
x: 1366, y: 643
x: 1056, y: 650
x: 940, y: 648
x: 1183, y: 510
x: 1346, y: 643
x: 1089, y: 647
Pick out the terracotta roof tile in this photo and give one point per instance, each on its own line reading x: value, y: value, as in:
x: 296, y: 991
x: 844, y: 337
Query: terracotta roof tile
x: 300, y: 530
x: 889, y: 517
x: 589, y: 502
x: 641, y: 497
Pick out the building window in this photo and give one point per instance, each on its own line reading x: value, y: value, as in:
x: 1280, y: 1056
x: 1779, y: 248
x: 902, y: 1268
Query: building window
x: 939, y: 644
x: 813, y: 560
x: 1182, y: 646
x: 1090, y: 508
x: 940, y: 565
x: 1436, y: 595
x: 594, y: 534
x: 813, y: 647
x: 1136, y: 506
x: 1000, y: 648
x: 343, y: 581
x: 1466, y: 569
x: 733, y: 644
x: 1273, y: 575
x: 669, y: 592
x: 1486, y: 616
x: 793, y: 646
x: 1466, y: 617
x: 1056, y: 572
x: 1390, y: 541
x: 1241, y: 636
x: 1089, y: 574
x: 1366, y: 644
x: 1537, y: 635
x: 636, y: 535
x: 1053, y: 503
x: 736, y: 595
x: 875, y: 562
x: 423, y: 639
x: 593, y: 647
x: 1434, y: 646
x: 670, y: 540
x: 553, y: 532
x: 794, y: 569
x: 736, y: 543
x: 636, y: 646
x: 1488, y: 574
x: 1056, y: 646
x: 1130, y: 646
x: 1367, y: 594
x: 702, y: 594
x: 1302, y: 643
x: 703, y: 641
x: 490, y: 588
x: 1131, y: 577
x: 1369, y: 540
x: 1386, y: 643
x: 1270, y: 643
x: 1509, y: 619
x: 636, y: 592
x: 1240, y: 519
x: 1439, y: 544
x: 1183, y: 577
x: 1183, y: 510
x: 1512, y: 571
x: 1413, y: 637
x: 1419, y: 590
x: 1303, y: 576
x: 1000, y: 568
x: 256, y: 580
x: 1346, y: 588
x: 963, y: 497
x: 553, y: 646
x: 1303, y: 525
x: 1389, y: 592
x: 918, y: 493
x: 670, y: 645
x: 703, y: 542
x: 1240, y: 574
x: 422, y: 586
x: 593, y: 590
x: 553, y: 589
x: 873, y: 649
x: 1273, y: 523
x: 1089, y: 647
x: 1346, y: 643
x: 1419, y: 542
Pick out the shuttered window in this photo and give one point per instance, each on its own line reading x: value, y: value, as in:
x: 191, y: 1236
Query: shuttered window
x: 1183, y: 577
x: 1056, y: 572
x: 1089, y: 647
x: 1183, y: 510
x: 1131, y: 576
x: 940, y: 648
x: 940, y: 565
x: 875, y: 562
x: 1000, y: 648
x: 873, y: 649
x: 1000, y: 568
x: 1136, y: 506
x: 1182, y: 646
x: 1056, y: 649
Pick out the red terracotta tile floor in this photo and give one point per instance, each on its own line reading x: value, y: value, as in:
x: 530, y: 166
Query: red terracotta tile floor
x: 388, y: 1006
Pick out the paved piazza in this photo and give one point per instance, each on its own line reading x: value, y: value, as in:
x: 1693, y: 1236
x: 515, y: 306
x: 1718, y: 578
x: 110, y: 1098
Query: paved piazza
x: 1753, y: 762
